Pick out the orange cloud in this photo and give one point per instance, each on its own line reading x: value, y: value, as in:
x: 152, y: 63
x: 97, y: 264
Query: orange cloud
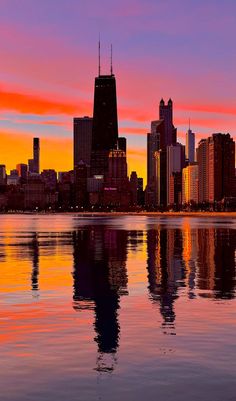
x: 33, y: 104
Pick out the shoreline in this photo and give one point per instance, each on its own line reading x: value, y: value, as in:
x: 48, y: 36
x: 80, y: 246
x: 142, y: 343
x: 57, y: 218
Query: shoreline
x: 120, y: 214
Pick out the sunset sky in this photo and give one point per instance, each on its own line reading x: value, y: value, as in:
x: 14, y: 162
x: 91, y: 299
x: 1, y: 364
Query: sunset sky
x: 183, y: 49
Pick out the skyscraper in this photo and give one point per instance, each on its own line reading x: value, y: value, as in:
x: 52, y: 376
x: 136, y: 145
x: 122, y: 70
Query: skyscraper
x: 166, y: 114
x: 190, y: 184
x: 34, y: 164
x: 203, y: 173
x: 36, y: 149
x: 190, y: 146
x: 153, y: 145
x: 221, y: 161
x: 175, y: 164
x: 82, y: 140
x: 167, y: 137
x: 216, y: 159
x: 105, y: 123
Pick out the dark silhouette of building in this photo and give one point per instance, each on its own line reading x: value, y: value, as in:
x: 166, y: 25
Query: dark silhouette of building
x: 22, y: 171
x: 163, y: 134
x: 34, y: 164
x: 203, y: 171
x: 116, y: 191
x: 82, y: 140
x: 3, y: 175
x: 153, y: 145
x: 216, y: 160
x: 221, y: 168
x: 81, y: 194
x: 105, y: 123
x: 35, y: 197
x: 161, y: 180
x: 49, y: 177
x: 122, y: 144
x: 134, y: 188
x: 141, y: 197
x: 166, y: 114
x: 175, y: 164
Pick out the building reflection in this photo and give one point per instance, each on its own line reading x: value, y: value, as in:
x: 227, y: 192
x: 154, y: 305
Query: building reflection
x: 216, y: 263
x: 165, y: 272
x: 189, y: 255
x: 100, y: 278
x: 200, y: 260
x: 34, y: 250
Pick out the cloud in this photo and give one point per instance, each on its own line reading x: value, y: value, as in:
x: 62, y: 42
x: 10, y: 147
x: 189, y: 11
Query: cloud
x: 33, y: 104
x: 207, y: 108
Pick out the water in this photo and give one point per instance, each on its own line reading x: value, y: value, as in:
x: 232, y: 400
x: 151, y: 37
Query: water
x: 123, y: 308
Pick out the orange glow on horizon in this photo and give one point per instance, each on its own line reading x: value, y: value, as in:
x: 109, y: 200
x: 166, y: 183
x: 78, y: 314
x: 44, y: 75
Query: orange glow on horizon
x: 56, y: 153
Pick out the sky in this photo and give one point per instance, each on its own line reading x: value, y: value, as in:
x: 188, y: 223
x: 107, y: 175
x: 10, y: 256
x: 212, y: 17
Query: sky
x: 183, y: 49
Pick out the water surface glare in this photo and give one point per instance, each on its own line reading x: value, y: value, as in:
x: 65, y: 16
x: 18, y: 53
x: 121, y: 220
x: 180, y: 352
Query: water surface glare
x: 117, y: 308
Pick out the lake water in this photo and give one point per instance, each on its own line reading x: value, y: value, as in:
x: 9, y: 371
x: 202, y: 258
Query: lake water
x: 117, y: 308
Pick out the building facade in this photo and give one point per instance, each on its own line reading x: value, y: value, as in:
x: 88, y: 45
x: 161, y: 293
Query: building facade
x: 82, y: 127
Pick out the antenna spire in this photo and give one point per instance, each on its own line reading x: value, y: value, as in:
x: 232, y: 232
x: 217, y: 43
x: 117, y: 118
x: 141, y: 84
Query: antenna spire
x: 111, y: 60
x: 189, y: 123
x: 99, y: 56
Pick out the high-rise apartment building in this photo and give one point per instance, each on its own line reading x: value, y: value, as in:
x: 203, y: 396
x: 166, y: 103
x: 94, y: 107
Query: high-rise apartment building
x: 83, y: 127
x: 203, y: 173
x: 216, y: 160
x: 190, y: 146
x: 175, y: 164
x: 221, y: 166
x: 190, y: 184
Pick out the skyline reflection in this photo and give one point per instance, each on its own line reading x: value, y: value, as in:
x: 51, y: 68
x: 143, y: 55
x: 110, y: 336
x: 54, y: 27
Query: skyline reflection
x: 88, y: 303
x: 100, y: 278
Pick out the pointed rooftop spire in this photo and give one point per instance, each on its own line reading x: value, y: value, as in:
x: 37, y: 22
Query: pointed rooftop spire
x: 111, y: 60
x: 99, y: 57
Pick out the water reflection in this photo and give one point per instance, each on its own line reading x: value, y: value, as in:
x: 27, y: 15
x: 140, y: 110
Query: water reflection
x: 165, y: 272
x: 186, y: 261
x: 34, y: 250
x: 216, y: 263
x: 100, y: 278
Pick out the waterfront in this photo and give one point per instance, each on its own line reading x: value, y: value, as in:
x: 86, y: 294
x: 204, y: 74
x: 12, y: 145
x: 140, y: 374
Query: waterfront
x: 110, y: 308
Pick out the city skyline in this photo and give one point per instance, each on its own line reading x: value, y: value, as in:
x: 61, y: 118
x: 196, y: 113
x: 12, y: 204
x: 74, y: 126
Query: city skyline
x: 44, y: 84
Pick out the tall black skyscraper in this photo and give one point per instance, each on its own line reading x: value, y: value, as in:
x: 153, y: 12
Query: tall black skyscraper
x: 34, y: 163
x: 36, y: 154
x: 105, y: 122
